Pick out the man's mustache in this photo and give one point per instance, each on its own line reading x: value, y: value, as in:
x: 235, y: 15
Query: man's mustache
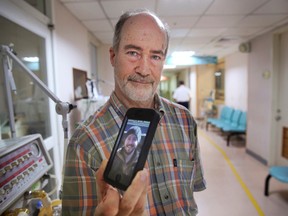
x: 138, y: 78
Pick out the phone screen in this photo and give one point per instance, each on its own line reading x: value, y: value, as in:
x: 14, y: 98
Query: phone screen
x: 131, y: 146
x: 128, y: 151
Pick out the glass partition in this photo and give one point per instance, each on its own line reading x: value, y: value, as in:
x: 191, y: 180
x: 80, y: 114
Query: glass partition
x: 31, y: 108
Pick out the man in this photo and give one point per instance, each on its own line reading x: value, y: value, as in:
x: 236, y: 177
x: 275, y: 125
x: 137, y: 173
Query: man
x: 173, y: 170
x: 182, y: 95
x: 126, y: 156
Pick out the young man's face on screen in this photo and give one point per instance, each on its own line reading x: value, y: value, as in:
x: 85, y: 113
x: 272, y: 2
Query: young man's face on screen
x: 130, y: 143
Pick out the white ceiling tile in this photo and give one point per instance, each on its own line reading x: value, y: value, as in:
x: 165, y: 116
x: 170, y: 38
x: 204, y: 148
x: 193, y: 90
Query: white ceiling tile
x: 115, y: 8
x: 196, y: 40
x: 244, y: 31
x: 182, y: 7
x: 104, y: 37
x: 225, y: 7
x: 180, y: 22
x: 218, y: 21
x: 198, y: 32
x: 98, y: 25
x: 260, y: 20
x: 178, y: 33
x: 175, y: 41
x: 86, y: 10
x: 274, y: 6
x: 194, y: 48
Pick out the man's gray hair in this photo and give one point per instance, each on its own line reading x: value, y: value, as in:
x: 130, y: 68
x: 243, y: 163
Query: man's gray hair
x: 125, y: 16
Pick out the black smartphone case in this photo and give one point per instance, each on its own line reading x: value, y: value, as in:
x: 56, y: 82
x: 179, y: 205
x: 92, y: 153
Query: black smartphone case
x: 134, y: 114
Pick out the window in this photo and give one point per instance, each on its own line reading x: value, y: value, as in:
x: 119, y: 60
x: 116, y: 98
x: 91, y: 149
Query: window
x: 30, y: 104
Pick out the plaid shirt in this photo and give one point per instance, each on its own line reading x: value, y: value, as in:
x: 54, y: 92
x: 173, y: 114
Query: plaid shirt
x: 173, y: 162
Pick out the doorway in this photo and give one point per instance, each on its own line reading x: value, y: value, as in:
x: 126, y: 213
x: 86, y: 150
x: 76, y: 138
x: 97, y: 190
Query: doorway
x: 280, y: 143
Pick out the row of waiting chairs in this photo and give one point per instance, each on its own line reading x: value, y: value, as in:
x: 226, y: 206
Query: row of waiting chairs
x: 230, y: 121
x: 234, y: 122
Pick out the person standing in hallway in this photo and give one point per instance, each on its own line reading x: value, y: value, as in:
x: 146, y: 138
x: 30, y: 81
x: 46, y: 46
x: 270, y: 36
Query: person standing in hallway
x: 173, y: 172
x: 182, y: 95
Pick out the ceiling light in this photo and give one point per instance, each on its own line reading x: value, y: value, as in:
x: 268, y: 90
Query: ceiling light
x: 182, y: 54
x: 31, y: 59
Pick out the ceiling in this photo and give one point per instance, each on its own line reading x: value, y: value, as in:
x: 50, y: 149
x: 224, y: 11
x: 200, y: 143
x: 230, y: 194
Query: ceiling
x: 208, y: 27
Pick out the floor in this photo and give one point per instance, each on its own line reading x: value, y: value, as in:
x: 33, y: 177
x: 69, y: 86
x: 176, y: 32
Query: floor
x: 235, y: 181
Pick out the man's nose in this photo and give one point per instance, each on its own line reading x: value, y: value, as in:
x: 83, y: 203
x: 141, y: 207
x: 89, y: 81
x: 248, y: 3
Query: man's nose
x: 144, y: 66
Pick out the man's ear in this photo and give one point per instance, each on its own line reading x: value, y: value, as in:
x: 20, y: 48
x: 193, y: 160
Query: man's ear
x: 112, y: 56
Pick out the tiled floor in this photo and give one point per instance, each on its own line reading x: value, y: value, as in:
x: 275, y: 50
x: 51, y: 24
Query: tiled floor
x: 235, y: 181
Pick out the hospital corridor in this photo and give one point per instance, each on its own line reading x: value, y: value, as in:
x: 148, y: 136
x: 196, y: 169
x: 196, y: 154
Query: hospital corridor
x: 71, y: 69
x: 235, y: 180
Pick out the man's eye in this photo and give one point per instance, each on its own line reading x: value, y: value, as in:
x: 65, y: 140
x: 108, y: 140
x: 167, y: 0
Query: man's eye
x: 132, y: 53
x: 156, y: 57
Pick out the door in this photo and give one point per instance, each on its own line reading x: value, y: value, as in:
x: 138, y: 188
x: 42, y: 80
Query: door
x: 35, y: 112
x: 281, y: 117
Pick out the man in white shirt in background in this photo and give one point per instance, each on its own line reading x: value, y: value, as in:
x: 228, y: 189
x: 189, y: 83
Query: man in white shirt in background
x: 182, y: 95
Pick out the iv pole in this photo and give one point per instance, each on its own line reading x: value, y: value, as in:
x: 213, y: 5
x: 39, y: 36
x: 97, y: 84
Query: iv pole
x: 62, y: 108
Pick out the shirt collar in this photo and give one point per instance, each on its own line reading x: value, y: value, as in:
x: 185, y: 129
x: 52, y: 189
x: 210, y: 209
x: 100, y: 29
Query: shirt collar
x: 117, y: 105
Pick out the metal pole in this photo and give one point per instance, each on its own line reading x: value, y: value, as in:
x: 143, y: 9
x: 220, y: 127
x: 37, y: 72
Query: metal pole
x: 9, y: 96
x: 62, y: 108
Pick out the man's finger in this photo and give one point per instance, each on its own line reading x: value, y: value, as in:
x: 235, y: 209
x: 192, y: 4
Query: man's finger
x: 135, y: 196
x: 109, y: 205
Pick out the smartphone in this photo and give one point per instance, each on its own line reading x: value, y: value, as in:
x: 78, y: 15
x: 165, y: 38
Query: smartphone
x: 132, y: 146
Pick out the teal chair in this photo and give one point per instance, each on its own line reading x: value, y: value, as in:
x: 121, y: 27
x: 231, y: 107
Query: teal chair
x: 278, y: 172
x: 226, y: 118
x: 237, y: 129
x: 221, y: 117
x: 232, y: 122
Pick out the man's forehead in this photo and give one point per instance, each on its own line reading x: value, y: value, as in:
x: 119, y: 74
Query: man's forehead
x: 142, y: 28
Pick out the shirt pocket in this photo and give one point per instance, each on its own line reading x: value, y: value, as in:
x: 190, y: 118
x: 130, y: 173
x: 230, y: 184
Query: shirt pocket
x: 186, y: 170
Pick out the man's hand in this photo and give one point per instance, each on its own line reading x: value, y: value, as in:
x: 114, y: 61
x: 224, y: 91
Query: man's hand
x: 113, y: 204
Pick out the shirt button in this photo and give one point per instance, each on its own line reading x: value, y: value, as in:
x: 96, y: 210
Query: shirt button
x: 158, y: 163
x: 166, y: 197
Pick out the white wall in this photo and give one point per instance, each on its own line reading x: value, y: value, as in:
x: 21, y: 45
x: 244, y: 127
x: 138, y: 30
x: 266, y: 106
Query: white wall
x: 260, y: 96
x: 105, y: 70
x: 71, y: 50
x: 236, y: 82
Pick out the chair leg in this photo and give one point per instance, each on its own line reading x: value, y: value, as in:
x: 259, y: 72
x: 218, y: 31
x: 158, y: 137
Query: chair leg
x: 232, y: 134
x: 266, y: 191
x: 228, y: 138
x: 207, y: 125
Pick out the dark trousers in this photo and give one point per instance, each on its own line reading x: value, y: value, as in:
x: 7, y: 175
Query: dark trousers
x: 185, y: 104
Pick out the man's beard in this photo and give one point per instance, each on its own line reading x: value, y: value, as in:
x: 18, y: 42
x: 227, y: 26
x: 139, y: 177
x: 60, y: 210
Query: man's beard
x: 141, y: 92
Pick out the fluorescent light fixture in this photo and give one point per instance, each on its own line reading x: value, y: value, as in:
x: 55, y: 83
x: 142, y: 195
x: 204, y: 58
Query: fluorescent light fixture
x: 31, y: 59
x: 181, y: 57
x: 169, y: 66
x: 182, y: 54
